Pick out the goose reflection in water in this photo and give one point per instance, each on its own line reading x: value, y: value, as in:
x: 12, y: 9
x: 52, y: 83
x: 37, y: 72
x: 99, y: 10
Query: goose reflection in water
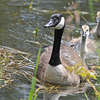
x: 64, y: 92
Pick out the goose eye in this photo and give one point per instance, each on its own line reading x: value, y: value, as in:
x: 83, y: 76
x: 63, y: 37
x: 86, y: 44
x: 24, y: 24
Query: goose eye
x: 55, y: 19
x: 86, y: 30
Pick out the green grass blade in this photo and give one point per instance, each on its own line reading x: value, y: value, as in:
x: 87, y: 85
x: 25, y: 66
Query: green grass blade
x: 34, y: 78
x: 91, y: 10
x: 35, y: 97
x: 86, y: 96
x: 98, y: 98
x: 35, y: 33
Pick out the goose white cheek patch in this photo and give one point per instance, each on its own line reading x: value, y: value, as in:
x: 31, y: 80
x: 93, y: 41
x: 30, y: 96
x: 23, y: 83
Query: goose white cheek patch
x: 60, y: 24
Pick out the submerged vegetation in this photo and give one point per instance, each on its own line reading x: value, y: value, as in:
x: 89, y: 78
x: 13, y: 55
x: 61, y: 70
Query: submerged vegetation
x: 12, y: 64
x: 32, y: 91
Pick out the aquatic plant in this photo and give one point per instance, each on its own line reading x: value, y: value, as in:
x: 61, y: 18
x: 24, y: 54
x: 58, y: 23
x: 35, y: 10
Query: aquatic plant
x: 30, y: 6
x: 91, y: 10
x: 86, y: 96
x: 32, y: 91
x: 11, y: 64
x: 86, y: 74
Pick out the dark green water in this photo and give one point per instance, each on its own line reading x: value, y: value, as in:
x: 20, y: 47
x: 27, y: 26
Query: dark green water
x: 16, y: 27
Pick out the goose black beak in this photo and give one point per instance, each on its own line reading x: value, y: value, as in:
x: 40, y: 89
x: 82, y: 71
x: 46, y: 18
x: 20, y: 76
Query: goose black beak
x: 97, y: 19
x: 84, y: 34
x: 49, y: 24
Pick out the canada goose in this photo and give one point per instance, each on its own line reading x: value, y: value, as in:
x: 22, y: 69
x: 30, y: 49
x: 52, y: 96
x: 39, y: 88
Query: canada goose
x: 84, y: 44
x: 96, y: 29
x: 53, y: 62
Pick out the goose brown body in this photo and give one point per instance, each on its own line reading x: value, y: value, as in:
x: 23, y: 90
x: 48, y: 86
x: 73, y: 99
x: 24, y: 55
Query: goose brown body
x: 68, y: 59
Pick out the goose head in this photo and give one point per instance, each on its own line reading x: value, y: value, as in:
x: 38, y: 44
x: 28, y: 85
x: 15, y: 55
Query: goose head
x: 98, y: 17
x: 57, y: 21
x: 85, y: 31
x: 84, y: 35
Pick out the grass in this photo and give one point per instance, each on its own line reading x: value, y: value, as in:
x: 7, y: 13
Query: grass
x: 30, y: 6
x: 91, y: 10
x: 32, y: 91
x: 86, y: 96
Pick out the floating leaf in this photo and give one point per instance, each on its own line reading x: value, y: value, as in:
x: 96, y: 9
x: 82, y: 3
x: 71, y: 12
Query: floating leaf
x: 78, y: 71
x: 52, y: 87
x: 35, y: 42
x: 83, y: 75
x: 45, y: 88
x: 71, y: 70
x: 83, y: 69
x: 92, y: 75
x: 79, y: 11
x: 6, y: 81
x: 45, y: 11
x: 68, y: 67
x: 37, y: 89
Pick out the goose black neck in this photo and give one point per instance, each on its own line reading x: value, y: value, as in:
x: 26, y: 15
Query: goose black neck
x: 55, y: 56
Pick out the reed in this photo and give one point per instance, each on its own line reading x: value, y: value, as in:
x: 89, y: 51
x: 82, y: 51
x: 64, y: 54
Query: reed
x: 30, y: 6
x: 86, y: 96
x: 91, y: 10
x: 32, y: 90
